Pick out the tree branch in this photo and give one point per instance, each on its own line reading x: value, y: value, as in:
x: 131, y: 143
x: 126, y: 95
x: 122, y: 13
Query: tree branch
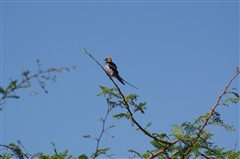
x: 211, y: 114
x: 103, y: 130
x: 14, y: 86
x: 127, y: 105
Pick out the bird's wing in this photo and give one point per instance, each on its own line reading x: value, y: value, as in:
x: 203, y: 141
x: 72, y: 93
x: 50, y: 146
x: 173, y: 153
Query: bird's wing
x: 111, y: 69
x: 112, y: 65
x: 120, y: 79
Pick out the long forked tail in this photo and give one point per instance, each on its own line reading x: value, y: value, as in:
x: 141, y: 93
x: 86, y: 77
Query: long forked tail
x: 129, y: 83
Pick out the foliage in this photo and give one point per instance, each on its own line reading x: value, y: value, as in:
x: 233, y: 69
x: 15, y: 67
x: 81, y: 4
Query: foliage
x: 41, y: 76
x: 62, y: 155
x: 187, y: 140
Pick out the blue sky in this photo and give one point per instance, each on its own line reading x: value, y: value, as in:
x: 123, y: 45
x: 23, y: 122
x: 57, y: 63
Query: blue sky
x: 179, y: 54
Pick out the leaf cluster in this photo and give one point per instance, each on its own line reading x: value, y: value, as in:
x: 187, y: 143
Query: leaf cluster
x: 41, y: 76
x: 188, y: 140
x: 18, y: 153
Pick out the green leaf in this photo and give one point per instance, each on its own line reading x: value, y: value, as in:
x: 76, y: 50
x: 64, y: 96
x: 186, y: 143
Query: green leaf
x: 86, y: 136
x: 234, y: 93
x: 232, y: 100
x: 14, y: 83
x: 100, y: 151
x: 11, y: 86
x: 83, y: 156
x: 111, y: 126
x: 67, y: 69
x: 160, y: 136
x: 133, y: 151
x: 12, y: 96
x: 6, y: 156
x: 74, y: 66
x: 24, y: 86
x: 178, y: 132
x: 106, y: 90
x: 149, y: 124
x: 146, y: 155
x: 101, y: 119
x: 2, y: 90
x: 45, y: 77
x: 121, y: 115
x: 25, y: 73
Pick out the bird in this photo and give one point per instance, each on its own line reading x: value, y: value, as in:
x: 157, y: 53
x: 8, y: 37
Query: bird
x: 111, y: 70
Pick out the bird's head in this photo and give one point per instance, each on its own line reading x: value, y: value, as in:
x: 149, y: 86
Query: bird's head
x: 108, y: 59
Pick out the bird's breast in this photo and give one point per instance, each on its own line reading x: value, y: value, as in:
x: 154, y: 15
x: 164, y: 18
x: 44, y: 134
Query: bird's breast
x: 108, y: 70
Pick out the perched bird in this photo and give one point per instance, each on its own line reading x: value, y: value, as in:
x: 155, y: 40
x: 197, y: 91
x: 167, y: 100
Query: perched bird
x: 111, y: 69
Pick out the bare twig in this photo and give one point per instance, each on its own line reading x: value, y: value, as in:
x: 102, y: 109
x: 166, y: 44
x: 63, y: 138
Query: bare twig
x: 20, y: 144
x: 235, y: 146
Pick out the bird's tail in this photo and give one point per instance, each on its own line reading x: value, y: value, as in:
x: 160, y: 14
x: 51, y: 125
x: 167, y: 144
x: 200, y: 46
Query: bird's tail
x: 128, y: 83
x: 120, y: 79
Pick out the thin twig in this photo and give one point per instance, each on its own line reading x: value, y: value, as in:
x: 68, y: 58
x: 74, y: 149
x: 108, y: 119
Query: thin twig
x: 27, y: 79
x: 205, y: 156
x: 20, y: 144
x: 174, y: 153
x: 103, y: 130
x: 235, y: 146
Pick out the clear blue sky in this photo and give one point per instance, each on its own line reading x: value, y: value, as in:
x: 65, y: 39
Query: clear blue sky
x: 179, y: 54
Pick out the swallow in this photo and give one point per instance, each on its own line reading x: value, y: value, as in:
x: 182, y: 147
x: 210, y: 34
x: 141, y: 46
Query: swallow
x: 111, y: 69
